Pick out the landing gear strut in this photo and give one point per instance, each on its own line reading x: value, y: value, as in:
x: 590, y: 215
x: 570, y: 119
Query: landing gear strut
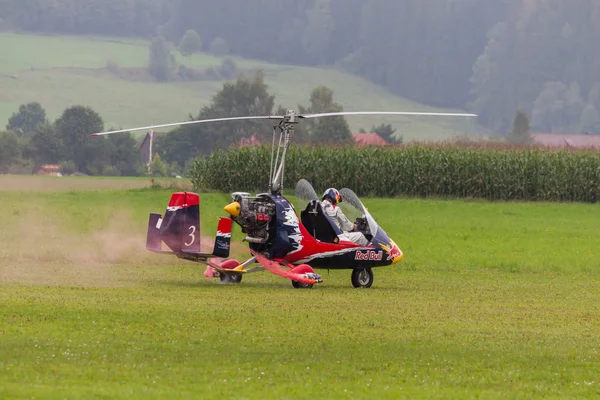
x: 362, y: 277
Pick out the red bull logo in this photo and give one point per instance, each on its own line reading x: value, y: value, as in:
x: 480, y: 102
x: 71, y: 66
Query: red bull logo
x: 394, y: 252
x: 369, y: 255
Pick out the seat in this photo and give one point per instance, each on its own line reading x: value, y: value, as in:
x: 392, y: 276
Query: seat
x: 318, y: 224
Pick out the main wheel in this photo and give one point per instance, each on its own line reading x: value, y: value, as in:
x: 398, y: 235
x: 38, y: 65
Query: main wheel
x: 301, y: 285
x: 362, y: 278
x: 302, y: 269
x: 230, y: 277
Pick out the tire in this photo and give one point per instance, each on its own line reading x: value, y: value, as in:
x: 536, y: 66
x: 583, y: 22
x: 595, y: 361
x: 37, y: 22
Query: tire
x: 362, y: 278
x: 302, y: 269
x: 230, y: 277
x: 301, y: 285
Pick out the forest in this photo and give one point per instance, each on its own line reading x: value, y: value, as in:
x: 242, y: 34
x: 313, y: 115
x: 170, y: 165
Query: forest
x: 489, y: 57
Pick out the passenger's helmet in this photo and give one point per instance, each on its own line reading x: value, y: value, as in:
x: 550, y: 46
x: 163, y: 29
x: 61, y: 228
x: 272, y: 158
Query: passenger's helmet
x: 333, y: 195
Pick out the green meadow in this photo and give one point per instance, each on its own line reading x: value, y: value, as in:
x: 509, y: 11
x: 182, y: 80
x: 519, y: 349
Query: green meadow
x: 492, y: 300
x: 61, y: 71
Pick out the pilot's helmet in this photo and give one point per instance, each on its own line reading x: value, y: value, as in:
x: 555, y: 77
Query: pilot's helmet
x: 333, y: 195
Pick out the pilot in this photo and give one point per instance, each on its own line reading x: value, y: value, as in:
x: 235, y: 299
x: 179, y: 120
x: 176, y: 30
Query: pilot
x: 331, y: 198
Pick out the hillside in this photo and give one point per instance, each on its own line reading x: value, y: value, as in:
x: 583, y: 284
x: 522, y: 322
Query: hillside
x: 59, y: 71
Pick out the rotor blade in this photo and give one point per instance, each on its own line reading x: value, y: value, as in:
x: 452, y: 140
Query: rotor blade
x: 332, y: 114
x: 187, y: 123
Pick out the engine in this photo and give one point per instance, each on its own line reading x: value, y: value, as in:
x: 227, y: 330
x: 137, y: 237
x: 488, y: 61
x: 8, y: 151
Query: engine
x: 255, y: 216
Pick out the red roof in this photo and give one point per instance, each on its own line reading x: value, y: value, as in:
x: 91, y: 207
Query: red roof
x: 251, y: 141
x: 563, y: 140
x: 50, y: 167
x: 369, y: 139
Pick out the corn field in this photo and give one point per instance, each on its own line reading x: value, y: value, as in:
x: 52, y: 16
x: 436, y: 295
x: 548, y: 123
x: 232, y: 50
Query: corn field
x: 493, y: 173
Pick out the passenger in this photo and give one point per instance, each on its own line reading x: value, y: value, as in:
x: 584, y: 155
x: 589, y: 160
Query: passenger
x: 330, y: 201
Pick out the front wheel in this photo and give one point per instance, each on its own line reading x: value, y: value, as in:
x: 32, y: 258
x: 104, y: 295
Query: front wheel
x: 230, y: 277
x: 362, y: 278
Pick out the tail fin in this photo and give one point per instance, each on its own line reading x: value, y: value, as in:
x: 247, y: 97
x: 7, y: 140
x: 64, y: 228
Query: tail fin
x: 179, y: 228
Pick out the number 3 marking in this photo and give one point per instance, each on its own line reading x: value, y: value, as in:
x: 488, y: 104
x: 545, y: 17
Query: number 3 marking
x: 192, y: 236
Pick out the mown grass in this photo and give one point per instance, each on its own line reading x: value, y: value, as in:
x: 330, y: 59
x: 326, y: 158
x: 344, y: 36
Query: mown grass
x: 60, y: 71
x: 492, y: 300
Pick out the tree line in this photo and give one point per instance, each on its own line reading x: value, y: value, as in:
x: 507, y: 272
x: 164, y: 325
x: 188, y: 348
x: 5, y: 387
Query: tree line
x: 31, y: 140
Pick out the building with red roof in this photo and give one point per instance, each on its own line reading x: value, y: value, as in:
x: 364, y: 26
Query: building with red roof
x: 369, y: 139
x: 48, y: 169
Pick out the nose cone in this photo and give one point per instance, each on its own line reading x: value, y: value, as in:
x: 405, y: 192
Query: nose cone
x: 398, y: 258
x: 233, y: 209
x: 395, y: 254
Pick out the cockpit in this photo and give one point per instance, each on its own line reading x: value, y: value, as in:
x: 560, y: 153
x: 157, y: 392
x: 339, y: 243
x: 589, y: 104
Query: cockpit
x: 322, y: 228
x: 318, y: 223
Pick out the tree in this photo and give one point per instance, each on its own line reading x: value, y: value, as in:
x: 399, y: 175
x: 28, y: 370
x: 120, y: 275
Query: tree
x: 520, y: 133
x: 10, y: 150
x: 158, y: 167
x: 246, y: 96
x: 190, y: 43
x: 67, y: 168
x: 317, y: 35
x: 73, y: 128
x: 228, y: 68
x: 123, y: 153
x: 27, y: 119
x: 558, y: 108
x: 594, y: 96
x: 161, y: 60
x: 590, y: 120
x: 325, y: 130
x: 45, y: 146
x: 386, y: 132
x: 219, y: 47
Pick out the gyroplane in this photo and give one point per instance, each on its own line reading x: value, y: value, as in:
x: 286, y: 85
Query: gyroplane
x: 280, y: 241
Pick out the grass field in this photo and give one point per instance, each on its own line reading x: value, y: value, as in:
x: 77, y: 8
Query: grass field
x: 492, y: 300
x: 61, y: 71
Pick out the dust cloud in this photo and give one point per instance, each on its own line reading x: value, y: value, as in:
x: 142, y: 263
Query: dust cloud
x: 37, y: 249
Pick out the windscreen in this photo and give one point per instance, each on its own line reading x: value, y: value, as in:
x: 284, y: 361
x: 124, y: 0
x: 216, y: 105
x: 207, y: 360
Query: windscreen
x: 351, y: 205
x: 353, y: 208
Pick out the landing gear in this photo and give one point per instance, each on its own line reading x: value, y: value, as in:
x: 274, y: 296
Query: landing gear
x: 301, y: 285
x: 308, y: 272
x: 230, y: 277
x: 362, y: 278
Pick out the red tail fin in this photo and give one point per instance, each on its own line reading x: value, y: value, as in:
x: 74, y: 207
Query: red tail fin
x: 180, y: 227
